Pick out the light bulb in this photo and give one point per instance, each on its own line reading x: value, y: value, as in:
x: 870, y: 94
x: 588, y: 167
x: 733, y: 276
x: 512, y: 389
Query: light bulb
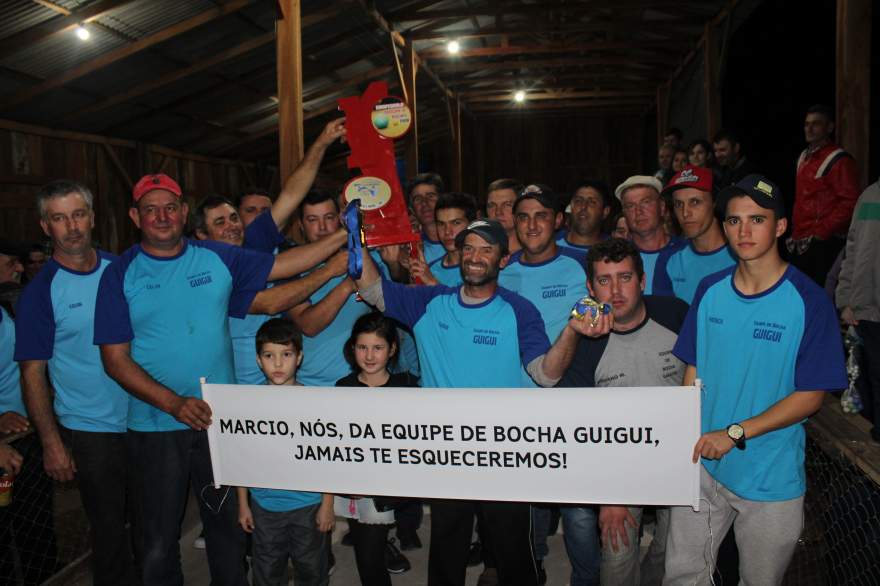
x: 519, y: 96
x: 453, y: 47
x: 83, y: 33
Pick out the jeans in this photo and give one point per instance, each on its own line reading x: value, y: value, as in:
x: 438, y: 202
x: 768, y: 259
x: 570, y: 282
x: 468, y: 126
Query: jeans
x: 541, y: 515
x: 164, y: 464
x: 293, y: 535
x: 101, y: 475
x: 581, y: 534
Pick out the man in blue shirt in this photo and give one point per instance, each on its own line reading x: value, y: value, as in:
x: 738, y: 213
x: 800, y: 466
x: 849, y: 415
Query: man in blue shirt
x: 590, y: 206
x: 458, y: 331
x: 706, y: 252
x: 763, y: 339
x: 644, y: 210
x: 452, y: 214
x: 552, y: 277
x: 424, y: 190
x: 500, y: 196
x: 82, y: 430
x: 163, y: 299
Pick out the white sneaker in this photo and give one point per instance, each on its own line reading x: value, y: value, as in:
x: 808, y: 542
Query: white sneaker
x: 199, y: 542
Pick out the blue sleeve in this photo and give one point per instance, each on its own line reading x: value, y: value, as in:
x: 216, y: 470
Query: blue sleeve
x: 408, y: 303
x: 249, y: 269
x: 112, y: 318
x: 533, y: 341
x: 685, y: 348
x: 662, y: 283
x: 262, y: 234
x: 35, y: 323
x: 820, y: 363
x: 380, y: 264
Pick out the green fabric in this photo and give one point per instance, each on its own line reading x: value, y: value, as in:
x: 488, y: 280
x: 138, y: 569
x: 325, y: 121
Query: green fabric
x: 868, y: 211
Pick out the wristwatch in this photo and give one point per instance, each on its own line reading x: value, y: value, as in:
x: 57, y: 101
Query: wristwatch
x: 736, y: 433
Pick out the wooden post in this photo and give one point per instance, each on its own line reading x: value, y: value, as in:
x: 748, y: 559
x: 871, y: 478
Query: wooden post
x: 710, y: 81
x: 456, y: 144
x: 662, y: 110
x: 410, y: 69
x: 854, y: 81
x: 289, y: 63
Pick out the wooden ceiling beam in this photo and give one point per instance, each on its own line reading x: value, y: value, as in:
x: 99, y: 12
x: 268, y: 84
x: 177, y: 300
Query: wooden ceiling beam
x: 645, y: 61
x: 631, y: 27
x: 540, y: 8
x: 24, y: 39
x: 442, y: 53
x: 559, y: 104
x: 563, y: 94
x: 121, y: 53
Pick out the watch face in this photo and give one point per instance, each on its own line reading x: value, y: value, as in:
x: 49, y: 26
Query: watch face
x: 736, y: 432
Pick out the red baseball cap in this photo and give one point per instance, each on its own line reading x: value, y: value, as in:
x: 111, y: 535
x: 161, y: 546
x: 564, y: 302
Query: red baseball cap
x: 695, y: 177
x: 149, y: 183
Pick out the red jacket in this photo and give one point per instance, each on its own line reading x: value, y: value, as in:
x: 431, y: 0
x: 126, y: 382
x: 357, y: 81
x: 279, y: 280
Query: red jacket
x: 826, y: 191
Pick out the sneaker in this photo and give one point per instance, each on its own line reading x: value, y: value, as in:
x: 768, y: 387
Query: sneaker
x: 489, y: 577
x: 475, y: 554
x: 395, y: 561
x: 409, y: 541
x: 331, y: 564
x: 542, y: 574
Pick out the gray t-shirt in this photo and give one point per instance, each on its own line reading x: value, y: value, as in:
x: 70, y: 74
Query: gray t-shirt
x: 641, y: 357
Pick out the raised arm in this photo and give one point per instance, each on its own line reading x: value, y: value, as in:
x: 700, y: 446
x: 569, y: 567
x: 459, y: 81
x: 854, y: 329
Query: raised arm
x: 57, y: 459
x: 299, y: 259
x: 313, y: 318
x: 134, y: 379
x: 298, y: 184
x: 287, y: 295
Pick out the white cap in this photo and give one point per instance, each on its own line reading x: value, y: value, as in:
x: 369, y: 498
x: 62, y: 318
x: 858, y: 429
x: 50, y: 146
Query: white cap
x: 646, y: 180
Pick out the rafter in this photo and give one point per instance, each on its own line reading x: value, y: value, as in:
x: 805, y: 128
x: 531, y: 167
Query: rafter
x: 638, y: 62
x: 442, y: 53
x: 121, y: 53
x: 24, y: 39
x: 557, y: 94
x: 628, y: 27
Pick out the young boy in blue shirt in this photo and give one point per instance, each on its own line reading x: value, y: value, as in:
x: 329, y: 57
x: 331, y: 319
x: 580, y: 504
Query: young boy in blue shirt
x: 285, y: 523
x: 764, y: 340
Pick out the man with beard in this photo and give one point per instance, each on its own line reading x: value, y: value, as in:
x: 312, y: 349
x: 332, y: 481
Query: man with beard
x: 590, y: 205
x: 82, y: 429
x: 500, y: 196
x: 693, y: 201
x: 458, y: 331
x: 636, y: 353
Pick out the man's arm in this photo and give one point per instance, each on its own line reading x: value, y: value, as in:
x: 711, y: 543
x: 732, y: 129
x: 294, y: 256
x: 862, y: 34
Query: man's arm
x: 57, y: 459
x: 299, y: 259
x: 844, y: 181
x: 298, y: 184
x: 134, y: 379
x: 287, y: 295
x: 312, y: 319
x: 553, y: 364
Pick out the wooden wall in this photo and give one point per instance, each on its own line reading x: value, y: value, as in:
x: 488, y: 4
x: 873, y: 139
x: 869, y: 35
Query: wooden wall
x: 31, y: 156
x: 555, y: 150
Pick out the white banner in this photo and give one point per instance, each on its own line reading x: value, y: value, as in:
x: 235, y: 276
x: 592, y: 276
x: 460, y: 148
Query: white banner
x: 608, y: 445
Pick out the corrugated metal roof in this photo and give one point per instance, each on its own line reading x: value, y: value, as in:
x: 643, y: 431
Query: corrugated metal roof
x: 139, y: 19
x: 19, y: 15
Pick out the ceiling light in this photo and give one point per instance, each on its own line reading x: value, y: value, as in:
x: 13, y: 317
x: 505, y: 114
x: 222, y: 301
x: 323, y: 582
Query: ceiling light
x: 519, y: 96
x: 83, y: 33
x: 453, y: 47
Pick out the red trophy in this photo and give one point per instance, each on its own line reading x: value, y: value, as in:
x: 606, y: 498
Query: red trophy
x: 372, y: 122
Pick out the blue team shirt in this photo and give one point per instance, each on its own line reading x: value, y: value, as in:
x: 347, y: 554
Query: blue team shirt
x: 56, y: 319
x: 649, y: 261
x: 174, y: 312
x: 563, y: 242
x: 432, y: 249
x: 681, y: 270
x: 262, y: 235
x: 461, y: 345
x: 10, y: 381
x: 750, y: 352
x: 449, y: 276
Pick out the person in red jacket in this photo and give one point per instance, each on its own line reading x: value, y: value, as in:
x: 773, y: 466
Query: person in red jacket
x: 826, y: 191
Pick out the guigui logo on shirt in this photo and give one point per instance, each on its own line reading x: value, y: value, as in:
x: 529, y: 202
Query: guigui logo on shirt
x: 485, y: 337
x: 199, y: 279
x: 553, y: 292
x: 770, y: 331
